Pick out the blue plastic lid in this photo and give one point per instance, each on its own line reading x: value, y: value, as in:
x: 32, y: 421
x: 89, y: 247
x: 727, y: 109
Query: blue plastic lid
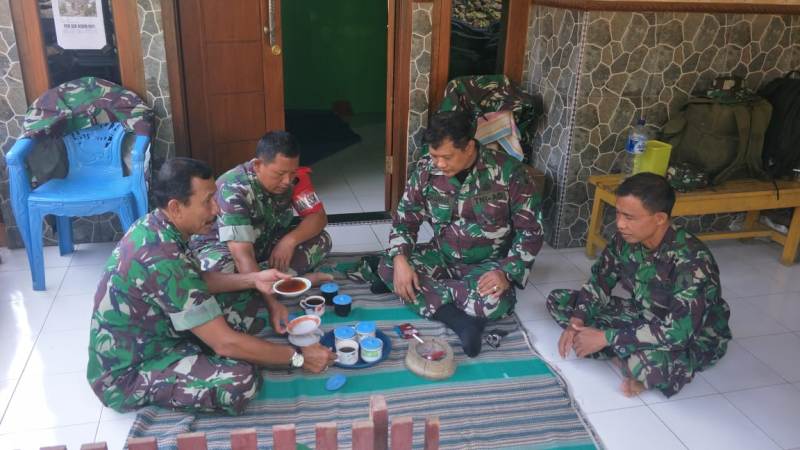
x: 365, y: 327
x: 335, y: 382
x: 344, y: 332
x: 342, y: 299
x: 329, y: 287
x: 371, y: 343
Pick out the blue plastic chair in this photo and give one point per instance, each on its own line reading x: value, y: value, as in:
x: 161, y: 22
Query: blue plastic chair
x: 95, y: 184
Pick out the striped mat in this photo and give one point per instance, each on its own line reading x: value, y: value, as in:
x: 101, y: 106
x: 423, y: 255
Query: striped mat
x: 507, y: 398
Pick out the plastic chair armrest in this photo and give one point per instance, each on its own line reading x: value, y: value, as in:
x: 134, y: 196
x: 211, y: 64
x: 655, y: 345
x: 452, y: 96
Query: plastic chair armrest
x: 16, y: 156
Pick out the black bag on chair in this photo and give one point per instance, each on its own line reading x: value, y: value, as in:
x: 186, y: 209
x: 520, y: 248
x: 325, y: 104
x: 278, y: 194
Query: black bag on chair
x: 782, y: 141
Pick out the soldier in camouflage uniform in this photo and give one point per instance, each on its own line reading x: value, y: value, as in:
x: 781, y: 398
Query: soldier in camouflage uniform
x: 167, y: 334
x: 254, y: 230
x: 674, y: 324
x: 487, y: 230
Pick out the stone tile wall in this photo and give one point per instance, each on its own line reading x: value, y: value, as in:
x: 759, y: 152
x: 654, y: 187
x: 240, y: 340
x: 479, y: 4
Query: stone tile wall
x: 13, y: 104
x: 639, y: 65
x: 419, y: 76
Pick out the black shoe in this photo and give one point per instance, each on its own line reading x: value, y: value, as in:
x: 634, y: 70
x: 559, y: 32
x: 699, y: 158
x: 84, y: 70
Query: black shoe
x: 379, y: 287
x: 468, y: 329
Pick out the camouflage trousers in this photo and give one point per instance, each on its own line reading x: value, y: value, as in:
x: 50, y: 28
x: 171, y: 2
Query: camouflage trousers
x: 443, y: 282
x: 192, y: 377
x: 215, y: 256
x: 667, y: 371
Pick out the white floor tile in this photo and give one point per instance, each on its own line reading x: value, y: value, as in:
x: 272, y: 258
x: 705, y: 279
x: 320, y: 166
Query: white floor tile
x: 17, y: 259
x: 781, y: 352
x: 18, y: 285
x: 82, y: 280
x: 69, y: 312
x: 530, y: 305
x: 546, y: 288
x: 382, y: 231
x: 14, y: 352
x: 747, y: 282
x: 425, y: 233
x: 595, y: 386
x: 59, y: 352
x: 553, y: 267
x: 775, y: 409
x: 47, y: 401
x: 340, y: 202
x: 6, y: 389
x: 72, y: 436
x: 351, y: 234
x: 709, y: 423
x: 698, y: 387
x: 633, y: 429
x: 577, y: 256
x: 109, y: 415
x: 355, y: 248
x: 114, y: 432
x: 544, y: 335
x: 92, y: 254
x: 22, y: 315
x: 784, y: 308
x: 738, y: 370
x: 748, y: 318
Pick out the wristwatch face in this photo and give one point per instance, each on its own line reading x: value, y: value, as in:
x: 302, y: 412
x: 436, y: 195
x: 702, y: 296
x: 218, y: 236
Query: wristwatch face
x: 297, y: 360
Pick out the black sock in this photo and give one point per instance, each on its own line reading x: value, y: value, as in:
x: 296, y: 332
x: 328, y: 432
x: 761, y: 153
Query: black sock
x: 468, y: 329
x: 377, y: 286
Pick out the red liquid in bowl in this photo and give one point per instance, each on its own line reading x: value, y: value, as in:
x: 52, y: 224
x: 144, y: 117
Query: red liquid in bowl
x: 291, y: 286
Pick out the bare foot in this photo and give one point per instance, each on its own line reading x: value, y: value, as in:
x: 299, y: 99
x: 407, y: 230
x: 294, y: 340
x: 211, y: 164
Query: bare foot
x: 317, y: 278
x: 631, y: 387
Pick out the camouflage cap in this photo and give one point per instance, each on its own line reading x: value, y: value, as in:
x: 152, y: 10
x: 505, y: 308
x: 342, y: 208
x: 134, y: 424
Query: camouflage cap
x: 685, y: 177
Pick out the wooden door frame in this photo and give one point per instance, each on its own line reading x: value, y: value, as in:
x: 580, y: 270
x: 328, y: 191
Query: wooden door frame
x: 30, y: 44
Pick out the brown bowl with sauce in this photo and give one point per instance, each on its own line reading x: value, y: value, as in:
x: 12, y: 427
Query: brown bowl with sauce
x: 292, y: 287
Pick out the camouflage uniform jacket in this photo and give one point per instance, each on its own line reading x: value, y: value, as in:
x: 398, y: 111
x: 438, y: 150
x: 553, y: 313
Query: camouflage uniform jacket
x: 493, y: 215
x: 677, y: 287
x: 150, y: 295
x: 250, y: 213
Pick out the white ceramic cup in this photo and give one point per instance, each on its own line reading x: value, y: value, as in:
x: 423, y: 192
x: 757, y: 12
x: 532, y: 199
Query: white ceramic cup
x: 347, y: 358
x: 313, y: 305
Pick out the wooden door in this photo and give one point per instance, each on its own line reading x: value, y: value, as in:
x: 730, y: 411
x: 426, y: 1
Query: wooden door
x: 233, y: 78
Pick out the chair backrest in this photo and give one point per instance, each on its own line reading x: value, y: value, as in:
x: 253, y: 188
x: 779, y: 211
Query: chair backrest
x: 95, y: 152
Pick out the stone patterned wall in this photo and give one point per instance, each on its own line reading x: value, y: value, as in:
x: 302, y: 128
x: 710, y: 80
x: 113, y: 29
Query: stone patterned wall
x: 419, y: 76
x: 551, y: 69
x: 105, y: 227
x: 632, y: 65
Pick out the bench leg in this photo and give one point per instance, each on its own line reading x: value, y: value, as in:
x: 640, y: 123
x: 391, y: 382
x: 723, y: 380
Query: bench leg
x: 792, y: 239
x: 750, y: 219
x: 595, y: 224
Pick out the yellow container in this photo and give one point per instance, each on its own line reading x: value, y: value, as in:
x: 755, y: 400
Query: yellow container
x: 655, y: 158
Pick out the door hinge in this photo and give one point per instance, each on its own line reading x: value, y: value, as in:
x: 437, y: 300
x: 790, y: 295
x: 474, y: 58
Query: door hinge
x: 389, y: 164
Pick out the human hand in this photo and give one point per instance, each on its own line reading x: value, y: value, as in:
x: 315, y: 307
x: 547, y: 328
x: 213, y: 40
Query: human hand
x: 265, y: 279
x: 493, y: 283
x: 406, y: 280
x: 317, y: 358
x: 588, y: 340
x: 278, y: 315
x: 282, y: 254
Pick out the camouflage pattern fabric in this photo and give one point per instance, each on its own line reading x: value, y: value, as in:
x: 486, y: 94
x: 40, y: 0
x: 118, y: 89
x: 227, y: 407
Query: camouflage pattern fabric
x: 684, y: 177
x: 490, y: 221
x: 84, y: 103
x: 481, y: 94
x: 249, y: 213
x: 141, y: 349
x: 674, y: 324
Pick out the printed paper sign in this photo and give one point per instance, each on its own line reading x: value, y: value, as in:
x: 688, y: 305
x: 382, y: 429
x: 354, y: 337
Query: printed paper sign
x: 79, y: 24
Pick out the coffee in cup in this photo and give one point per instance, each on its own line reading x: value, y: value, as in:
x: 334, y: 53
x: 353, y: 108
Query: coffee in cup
x: 347, y: 352
x: 313, y: 305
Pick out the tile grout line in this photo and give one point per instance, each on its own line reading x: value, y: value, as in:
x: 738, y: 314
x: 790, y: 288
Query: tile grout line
x: 751, y: 420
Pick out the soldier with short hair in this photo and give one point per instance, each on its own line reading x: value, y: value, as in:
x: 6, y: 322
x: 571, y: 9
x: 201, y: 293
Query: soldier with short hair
x: 487, y: 228
x: 165, y: 333
x: 254, y: 231
x: 675, y: 322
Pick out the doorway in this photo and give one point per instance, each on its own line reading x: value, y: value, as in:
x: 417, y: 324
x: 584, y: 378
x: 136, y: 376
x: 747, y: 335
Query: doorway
x: 317, y: 69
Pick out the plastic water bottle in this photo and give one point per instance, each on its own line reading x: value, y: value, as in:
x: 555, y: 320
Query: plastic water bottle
x: 635, y: 146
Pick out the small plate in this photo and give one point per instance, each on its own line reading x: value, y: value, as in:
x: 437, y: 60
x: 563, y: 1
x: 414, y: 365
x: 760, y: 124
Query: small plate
x: 328, y: 341
x: 304, y: 340
x: 303, y: 325
x: 294, y: 293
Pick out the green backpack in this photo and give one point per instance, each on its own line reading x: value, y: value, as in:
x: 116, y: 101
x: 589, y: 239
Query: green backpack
x: 723, y: 135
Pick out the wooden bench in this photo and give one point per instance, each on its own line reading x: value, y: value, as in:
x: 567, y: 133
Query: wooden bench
x: 750, y: 196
